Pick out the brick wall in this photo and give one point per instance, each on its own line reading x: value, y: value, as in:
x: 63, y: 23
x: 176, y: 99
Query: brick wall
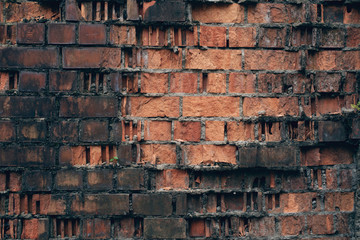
x: 172, y: 119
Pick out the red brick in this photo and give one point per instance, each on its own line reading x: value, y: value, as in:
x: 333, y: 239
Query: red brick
x: 183, y: 82
x: 65, y: 131
x: 346, y: 179
x: 240, y: 131
x: 242, y: 83
x: 272, y: 60
x: 62, y: 81
x: 96, y: 57
x: 35, y: 228
x: 333, y: 60
x: 154, y: 82
x: 332, y: 13
x: 242, y: 37
x: 339, y: 201
x: 92, y: 34
x: 218, y: 13
x: 61, y: 33
x: 351, y: 14
x: 271, y: 106
x: 7, y: 131
x: 331, y: 37
x: 328, y: 105
x: 15, y: 180
x: 298, y: 83
x: 327, y: 156
x: 94, y: 204
x: 48, y: 204
x: 131, y: 179
x: 32, y: 81
x: 209, y: 154
x: 353, y: 37
x: 94, y: 131
x: 270, y: 83
x: 16, y: 12
x: 197, y: 228
x: 214, y: 130
x: 152, y: 204
x: 276, y: 13
x: 211, y: 106
x: 272, y: 37
x: 331, y: 179
x: 298, y: 202
x: 162, y: 59
x: 158, y: 154
x: 164, y: 228
x: 157, y: 130
x: 29, y: 57
x: 172, y: 179
x: 100, y: 179
x: 32, y: 131
x: 211, y: 36
x: 120, y: 35
x: 213, y: 59
x: 321, y: 224
x: 96, y: 228
x: 301, y: 36
x: 37, y: 181
x: 187, y: 131
x: 88, y: 107
x: 327, y: 82
x: 261, y: 227
x: 30, y: 33
x: 213, y: 83
x: 68, y: 180
x: 72, y: 11
x: 350, y: 84
x: 152, y: 107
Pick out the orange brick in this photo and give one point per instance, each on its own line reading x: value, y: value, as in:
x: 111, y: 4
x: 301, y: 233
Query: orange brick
x: 272, y: 60
x: 321, y: 224
x: 214, y: 130
x: 183, y: 82
x: 213, y: 59
x: 211, y: 106
x: 187, y: 131
x: 240, y: 131
x: 157, y: 130
x: 297, y: 202
x: 339, y: 201
x: 242, y: 37
x: 242, y: 83
x: 327, y: 105
x: 213, y: 82
x: 153, y: 106
x: 276, y: 13
x: 120, y: 35
x: 154, y: 82
x: 333, y: 60
x: 292, y: 225
x: 171, y: 179
x: 218, y: 13
x: 162, y: 59
x: 327, y: 156
x: 209, y: 154
x: 351, y: 15
x: 16, y: 12
x: 212, y: 36
x: 158, y: 154
x: 271, y: 106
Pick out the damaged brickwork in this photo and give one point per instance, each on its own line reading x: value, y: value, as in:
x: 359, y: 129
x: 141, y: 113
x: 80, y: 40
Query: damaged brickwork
x: 179, y: 119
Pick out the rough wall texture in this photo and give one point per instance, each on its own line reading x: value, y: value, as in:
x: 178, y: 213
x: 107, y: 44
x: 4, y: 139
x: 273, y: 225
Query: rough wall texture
x: 172, y: 119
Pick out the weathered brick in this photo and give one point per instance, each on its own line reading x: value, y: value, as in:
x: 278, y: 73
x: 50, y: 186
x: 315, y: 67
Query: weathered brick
x: 298, y: 202
x: 157, y: 130
x: 35, y: 228
x: 65, y: 131
x: 16, y: 12
x: 92, y: 34
x: 33, y: 156
x: 7, y: 131
x: 93, y: 204
x: 339, y: 201
x: 242, y: 83
x: 152, y: 107
x: 211, y: 106
x: 183, y: 82
x: 32, y: 131
x: 212, y: 36
x: 292, y: 225
x: 37, y: 181
x: 97, y: 57
x: 333, y: 60
x: 152, y: 204
x: 355, y: 128
x: 187, y: 131
x: 213, y: 59
x: 96, y: 228
x: 69, y: 180
x: 242, y: 37
x: 271, y: 60
x: 240, y: 131
x: 327, y: 82
x: 270, y: 83
x: 120, y: 35
x: 131, y: 179
x: 94, y: 131
x: 276, y: 13
x: 321, y: 224
x: 197, y: 228
x: 88, y: 107
x: 209, y: 154
x: 28, y: 57
x: 164, y: 228
x: 333, y: 13
x: 162, y: 59
x: 213, y: 83
x: 154, y: 82
x: 32, y: 81
x: 172, y: 179
x: 59, y: 33
x: 218, y: 13
x: 327, y: 105
x: 331, y: 37
x: 214, y: 130
x: 330, y: 131
x: 272, y: 37
x: 100, y: 179
x: 30, y: 33
x: 158, y: 154
x: 271, y: 106
x: 62, y: 81
x: 351, y: 15
x: 327, y: 156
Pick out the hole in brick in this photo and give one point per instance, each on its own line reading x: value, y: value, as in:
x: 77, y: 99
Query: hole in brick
x: 93, y: 82
x: 262, y: 182
x: 277, y: 200
x: 183, y: 36
x: 87, y: 154
x: 138, y: 227
x: 29, y: 198
x: 58, y: 227
x: 256, y: 183
x: 103, y: 154
x: 293, y: 130
x: 248, y: 201
x: 23, y: 203
x: 348, y: 9
x: 318, y: 11
x: 111, y: 152
x: 74, y: 227
x: 177, y: 32
x: 86, y: 80
x: 205, y: 82
x: 287, y: 88
x: 270, y: 127
x: 7, y: 180
x: 263, y: 128
x: 37, y: 207
x: 218, y: 202
x: 93, y: 17
x: 314, y: 203
x: 269, y: 202
x: 101, y: 82
x: 8, y: 32
x: 102, y: 11
x: 12, y: 80
x: 66, y: 228
x: 246, y: 225
x: 255, y: 198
